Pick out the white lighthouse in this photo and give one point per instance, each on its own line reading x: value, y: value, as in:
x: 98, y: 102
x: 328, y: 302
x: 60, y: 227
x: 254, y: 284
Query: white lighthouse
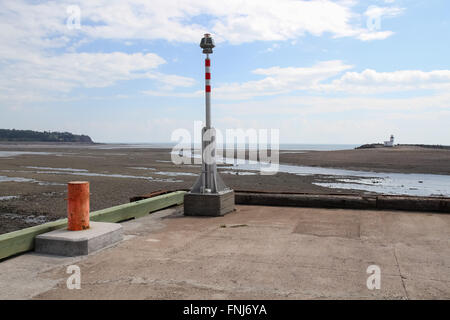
x: 389, y: 143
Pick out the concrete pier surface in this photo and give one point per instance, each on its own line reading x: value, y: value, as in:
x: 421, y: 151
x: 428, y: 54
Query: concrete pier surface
x: 256, y: 252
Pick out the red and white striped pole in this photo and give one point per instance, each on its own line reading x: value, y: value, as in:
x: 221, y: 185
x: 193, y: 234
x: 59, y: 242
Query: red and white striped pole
x: 208, y: 91
x: 209, y: 196
x: 209, y: 181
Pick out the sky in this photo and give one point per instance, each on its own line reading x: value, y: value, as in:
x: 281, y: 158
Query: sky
x: 322, y: 72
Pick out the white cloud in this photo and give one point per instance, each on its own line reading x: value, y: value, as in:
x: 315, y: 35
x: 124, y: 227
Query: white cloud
x: 321, y: 77
x: 27, y: 24
x: 38, y: 58
x: 235, y: 21
x: 283, y: 20
x: 375, y: 35
x: 272, y: 48
x: 374, y: 16
x: 169, y: 92
x: 371, y: 81
x: 276, y: 80
x: 316, y: 78
x: 281, y: 80
x: 38, y: 52
x: 39, y: 77
x: 312, y: 105
x: 375, y: 11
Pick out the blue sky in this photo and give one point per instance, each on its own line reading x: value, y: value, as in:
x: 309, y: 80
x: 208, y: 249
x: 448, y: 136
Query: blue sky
x: 319, y: 71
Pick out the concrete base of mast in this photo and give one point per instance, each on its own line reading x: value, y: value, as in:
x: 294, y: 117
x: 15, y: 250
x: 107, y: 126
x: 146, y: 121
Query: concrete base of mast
x: 209, y: 204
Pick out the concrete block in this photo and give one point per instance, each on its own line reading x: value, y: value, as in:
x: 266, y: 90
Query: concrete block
x: 204, y: 204
x: 77, y: 243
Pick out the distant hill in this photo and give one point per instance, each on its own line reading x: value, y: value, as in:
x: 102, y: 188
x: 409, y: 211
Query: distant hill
x: 46, y: 136
x: 370, y: 146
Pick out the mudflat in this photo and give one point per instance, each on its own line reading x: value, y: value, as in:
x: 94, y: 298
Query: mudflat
x: 33, y: 177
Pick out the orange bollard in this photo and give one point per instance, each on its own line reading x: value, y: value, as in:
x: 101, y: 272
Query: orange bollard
x: 78, y: 205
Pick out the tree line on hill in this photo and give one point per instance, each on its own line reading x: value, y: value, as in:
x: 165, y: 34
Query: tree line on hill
x: 46, y: 136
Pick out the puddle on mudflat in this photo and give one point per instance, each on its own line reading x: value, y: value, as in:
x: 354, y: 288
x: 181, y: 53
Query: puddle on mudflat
x: 112, y: 175
x: 414, y: 184
x: 58, y: 169
x: 82, y: 172
x: 174, y: 174
x: 5, y: 198
x: 240, y: 173
x: 15, y: 179
x: 142, y: 168
x: 29, y: 219
x: 20, y: 179
x: 8, y: 154
x: 396, y: 184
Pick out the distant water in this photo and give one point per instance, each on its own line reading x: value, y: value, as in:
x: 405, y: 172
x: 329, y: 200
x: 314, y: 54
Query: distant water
x: 162, y: 145
x: 169, y: 145
x: 413, y: 184
x: 282, y: 146
x: 318, y: 147
x: 7, y: 154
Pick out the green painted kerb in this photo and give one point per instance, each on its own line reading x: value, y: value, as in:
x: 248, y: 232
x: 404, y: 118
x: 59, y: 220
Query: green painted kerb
x: 23, y: 240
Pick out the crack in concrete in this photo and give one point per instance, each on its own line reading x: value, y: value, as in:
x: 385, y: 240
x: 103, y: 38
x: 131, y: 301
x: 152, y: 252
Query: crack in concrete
x: 400, y: 273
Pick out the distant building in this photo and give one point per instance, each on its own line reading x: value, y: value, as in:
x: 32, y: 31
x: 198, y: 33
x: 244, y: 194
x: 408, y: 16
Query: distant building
x: 389, y: 143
